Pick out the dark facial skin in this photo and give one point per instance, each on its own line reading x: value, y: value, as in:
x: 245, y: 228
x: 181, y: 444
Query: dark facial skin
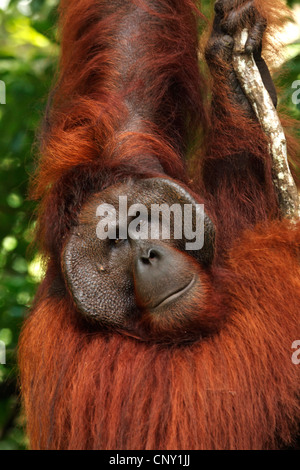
x: 149, y: 289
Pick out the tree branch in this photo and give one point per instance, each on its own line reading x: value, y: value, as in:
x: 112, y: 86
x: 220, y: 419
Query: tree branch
x: 252, y: 84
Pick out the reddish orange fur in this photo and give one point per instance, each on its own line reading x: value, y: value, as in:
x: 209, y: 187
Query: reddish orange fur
x: 86, y: 389
x: 85, y: 124
x: 243, y: 190
x: 237, y: 390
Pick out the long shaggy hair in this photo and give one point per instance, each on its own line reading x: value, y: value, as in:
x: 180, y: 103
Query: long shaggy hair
x: 85, y: 389
x: 115, y: 114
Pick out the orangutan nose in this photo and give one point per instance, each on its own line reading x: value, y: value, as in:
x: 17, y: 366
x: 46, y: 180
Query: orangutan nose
x: 159, y: 274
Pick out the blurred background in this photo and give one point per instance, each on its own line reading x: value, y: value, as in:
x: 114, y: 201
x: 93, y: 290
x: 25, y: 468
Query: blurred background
x: 28, y: 60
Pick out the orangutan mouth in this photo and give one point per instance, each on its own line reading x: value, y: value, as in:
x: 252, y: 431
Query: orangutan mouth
x: 179, y: 293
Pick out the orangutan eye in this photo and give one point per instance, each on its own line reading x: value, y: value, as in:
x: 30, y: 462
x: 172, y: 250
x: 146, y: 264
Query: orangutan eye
x: 117, y: 241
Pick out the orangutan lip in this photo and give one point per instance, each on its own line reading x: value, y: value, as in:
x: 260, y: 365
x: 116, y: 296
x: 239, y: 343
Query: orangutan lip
x: 175, y: 295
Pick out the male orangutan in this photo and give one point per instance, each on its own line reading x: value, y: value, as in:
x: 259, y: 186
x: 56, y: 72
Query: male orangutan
x: 144, y: 344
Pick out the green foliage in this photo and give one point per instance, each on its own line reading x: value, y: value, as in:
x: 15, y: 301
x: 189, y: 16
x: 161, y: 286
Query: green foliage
x: 28, y: 57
